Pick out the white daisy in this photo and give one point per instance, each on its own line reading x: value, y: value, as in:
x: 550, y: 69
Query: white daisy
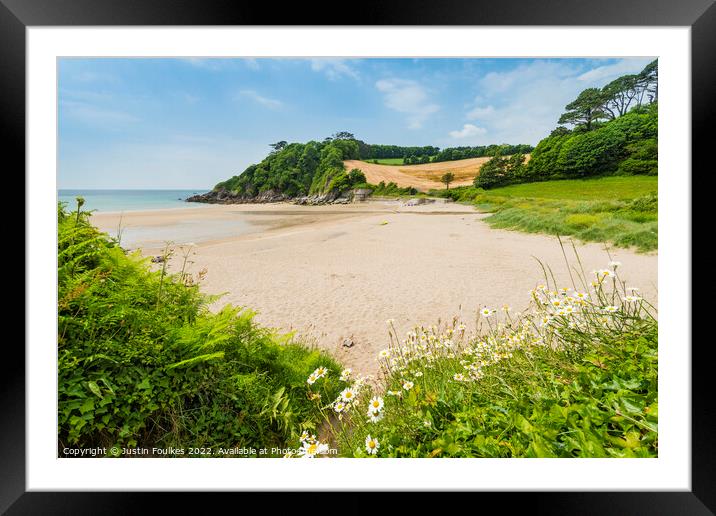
x: 408, y: 385
x: 310, y: 450
x: 376, y: 403
x: 348, y: 394
x: 371, y: 445
x: 375, y: 415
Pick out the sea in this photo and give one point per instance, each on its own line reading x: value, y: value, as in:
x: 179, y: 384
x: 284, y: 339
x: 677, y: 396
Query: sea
x: 128, y: 200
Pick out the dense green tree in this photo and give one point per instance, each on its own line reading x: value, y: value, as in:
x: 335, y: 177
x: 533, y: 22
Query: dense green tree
x: 278, y: 145
x: 356, y: 176
x: 500, y: 171
x: 585, y: 109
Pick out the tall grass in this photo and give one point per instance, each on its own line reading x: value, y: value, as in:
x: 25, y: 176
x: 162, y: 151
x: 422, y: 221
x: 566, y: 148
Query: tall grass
x: 619, y: 210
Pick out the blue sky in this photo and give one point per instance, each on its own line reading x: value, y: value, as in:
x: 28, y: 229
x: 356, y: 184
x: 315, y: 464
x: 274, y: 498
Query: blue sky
x: 190, y: 123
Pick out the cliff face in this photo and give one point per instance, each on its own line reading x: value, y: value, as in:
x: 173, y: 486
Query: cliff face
x: 223, y: 196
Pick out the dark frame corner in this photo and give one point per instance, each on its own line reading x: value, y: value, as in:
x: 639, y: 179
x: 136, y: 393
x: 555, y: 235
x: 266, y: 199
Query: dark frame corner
x: 700, y: 15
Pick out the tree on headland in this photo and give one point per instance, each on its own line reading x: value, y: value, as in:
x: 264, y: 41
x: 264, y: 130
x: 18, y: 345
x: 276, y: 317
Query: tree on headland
x: 447, y: 178
x: 619, y: 94
x: 585, y: 109
x: 344, y: 135
x: 278, y: 145
x: 613, y: 100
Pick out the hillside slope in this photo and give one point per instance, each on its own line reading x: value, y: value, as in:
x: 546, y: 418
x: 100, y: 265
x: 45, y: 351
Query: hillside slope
x: 423, y: 177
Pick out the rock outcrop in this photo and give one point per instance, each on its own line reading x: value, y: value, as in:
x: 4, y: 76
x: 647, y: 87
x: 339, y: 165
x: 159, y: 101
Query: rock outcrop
x: 222, y: 196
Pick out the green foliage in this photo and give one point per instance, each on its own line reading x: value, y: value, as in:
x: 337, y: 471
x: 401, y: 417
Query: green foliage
x: 392, y: 190
x: 141, y: 362
x: 296, y: 169
x: 585, y: 109
x: 393, y: 152
x: 447, y: 178
x: 631, y: 138
x: 356, y: 177
x: 500, y: 171
x: 456, y: 153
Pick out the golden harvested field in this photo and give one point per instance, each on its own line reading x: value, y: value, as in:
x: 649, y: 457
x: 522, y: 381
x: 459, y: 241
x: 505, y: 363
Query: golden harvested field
x: 423, y: 177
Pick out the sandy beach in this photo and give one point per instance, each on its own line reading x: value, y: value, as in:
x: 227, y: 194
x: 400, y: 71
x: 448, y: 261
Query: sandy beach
x: 340, y: 271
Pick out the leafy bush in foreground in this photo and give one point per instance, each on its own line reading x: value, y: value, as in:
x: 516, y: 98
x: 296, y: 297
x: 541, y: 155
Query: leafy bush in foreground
x: 141, y: 362
x: 576, y: 376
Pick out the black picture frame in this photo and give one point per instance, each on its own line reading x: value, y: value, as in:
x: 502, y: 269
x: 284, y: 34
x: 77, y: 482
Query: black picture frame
x: 17, y: 15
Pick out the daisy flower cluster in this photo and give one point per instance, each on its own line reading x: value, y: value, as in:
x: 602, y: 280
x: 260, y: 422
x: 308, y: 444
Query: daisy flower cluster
x: 349, y: 395
x: 606, y: 305
x: 420, y: 348
x: 555, y: 312
x: 316, y: 375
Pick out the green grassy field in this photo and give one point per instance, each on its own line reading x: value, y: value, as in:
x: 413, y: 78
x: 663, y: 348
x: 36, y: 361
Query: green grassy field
x: 388, y: 161
x: 621, y: 211
x: 605, y: 188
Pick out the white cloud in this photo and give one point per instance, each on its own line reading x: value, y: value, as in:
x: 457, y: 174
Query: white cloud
x: 408, y: 97
x: 260, y: 99
x: 334, y: 68
x: 467, y: 131
x: 522, y: 105
x: 478, y: 112
x: 612, y: 71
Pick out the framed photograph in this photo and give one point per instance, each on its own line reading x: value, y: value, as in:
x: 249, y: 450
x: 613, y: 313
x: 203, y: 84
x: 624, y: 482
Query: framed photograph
x: 447, y: 250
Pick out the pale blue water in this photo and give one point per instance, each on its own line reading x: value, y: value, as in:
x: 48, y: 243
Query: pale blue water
x: 128, y: 200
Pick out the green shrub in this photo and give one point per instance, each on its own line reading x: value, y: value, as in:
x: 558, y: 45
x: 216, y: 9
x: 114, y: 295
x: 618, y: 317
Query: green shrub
x: 632, y: 166
x: 141, y: 362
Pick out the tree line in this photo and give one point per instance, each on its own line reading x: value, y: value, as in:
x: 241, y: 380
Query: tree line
x: 316, y: 167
